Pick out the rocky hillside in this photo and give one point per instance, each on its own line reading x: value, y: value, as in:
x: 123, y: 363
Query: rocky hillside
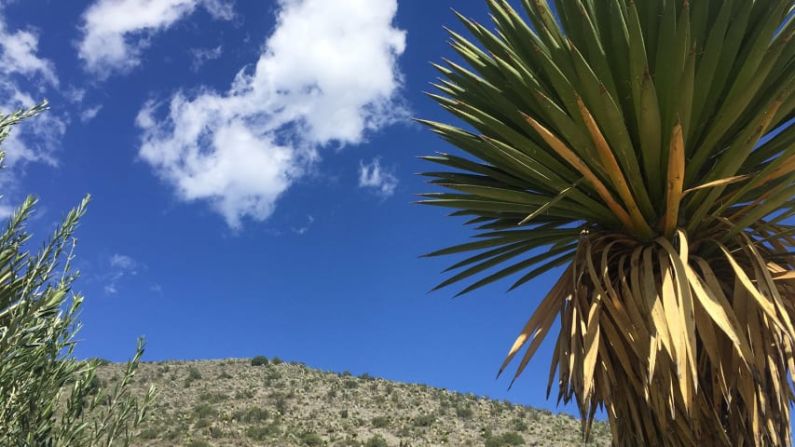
x: 234, y: 403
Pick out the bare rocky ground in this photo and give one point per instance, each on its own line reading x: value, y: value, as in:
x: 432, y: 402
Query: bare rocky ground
x: 232, y: 403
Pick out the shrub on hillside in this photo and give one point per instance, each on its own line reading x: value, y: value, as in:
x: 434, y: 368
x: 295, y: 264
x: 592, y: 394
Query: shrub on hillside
x: 47, y: 397
x: 519, y: 425
x: 311, y: 439
x: 251, y: 414
x: 263, y: 432
x: 464, y: 412
x: 212, y: 397
x: 504, y: 440
x: 376, y: 441
x: 194, y: 374
x: 281, y: 405
x: 259, y: 360
x: 203, y: 411
x: 380, y: 422
x: 512, y: 438
x: 425, y: 420
x: 99, y: 361
x: 244, y: 394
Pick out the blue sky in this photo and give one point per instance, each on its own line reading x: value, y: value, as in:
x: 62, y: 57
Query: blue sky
x: 285, y: 228
x: 253, y: 166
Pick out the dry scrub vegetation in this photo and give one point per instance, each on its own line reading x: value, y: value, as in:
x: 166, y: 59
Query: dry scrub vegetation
x: 235, y: 403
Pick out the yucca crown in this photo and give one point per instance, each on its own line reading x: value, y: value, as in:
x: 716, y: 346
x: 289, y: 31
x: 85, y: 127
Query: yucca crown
x: 645, y: 146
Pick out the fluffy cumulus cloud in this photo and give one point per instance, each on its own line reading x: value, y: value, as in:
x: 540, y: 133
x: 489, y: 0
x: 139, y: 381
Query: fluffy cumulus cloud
x: 24, y: 76
x: 116, y: 31
x: 19, y: 55
x: 327, y: 75
x: 374, y: 177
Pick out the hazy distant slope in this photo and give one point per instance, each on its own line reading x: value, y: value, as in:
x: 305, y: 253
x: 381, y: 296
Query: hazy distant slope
x: 231, y: 403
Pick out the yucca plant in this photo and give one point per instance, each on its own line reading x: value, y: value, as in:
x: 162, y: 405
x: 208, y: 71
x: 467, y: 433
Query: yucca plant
x: 643, y: 148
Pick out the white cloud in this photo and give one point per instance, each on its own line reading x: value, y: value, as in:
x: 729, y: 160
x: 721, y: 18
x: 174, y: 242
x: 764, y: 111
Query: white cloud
x: 116, y: 31
x: 74, y: 94
x: 123, y: 262
x: 19, y: 55
x: 374, y: 177
x: 203, y: 55
x: 220, y: 9
x: 304, y: 228
x: 34, y: 140
x: 6, y: 211
x: 121, y: 266
x: 90, y: 113
x: 24, y: 76
x: 327, y: 75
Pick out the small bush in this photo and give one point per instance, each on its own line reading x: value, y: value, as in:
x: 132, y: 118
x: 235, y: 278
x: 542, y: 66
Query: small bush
x: 464, y: 412
x: 199, y: 443
x: 259, y: 433
x: 376, y: 441
x: 277, y: 361
x: 504, y: 440
x: 216, y: 432
x: 344, y: 414
x: 311, y: 439
x: 174, y: 432
x: 281, y: 405
x: 244, y: 394
x: 202, y: 411
x: 425, y: 420
x: 99, y: 361
x: 212, y: 397
x: 263, y: 432
x: 251, y: 414
x: 259, y: 360
x: 519, y: 425
x: 194, y: 374
x: 512, y: 438
x: 380, y: 422
x: 149, y: 433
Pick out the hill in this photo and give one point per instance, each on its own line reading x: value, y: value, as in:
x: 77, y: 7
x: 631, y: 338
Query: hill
x: 233, y: 403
